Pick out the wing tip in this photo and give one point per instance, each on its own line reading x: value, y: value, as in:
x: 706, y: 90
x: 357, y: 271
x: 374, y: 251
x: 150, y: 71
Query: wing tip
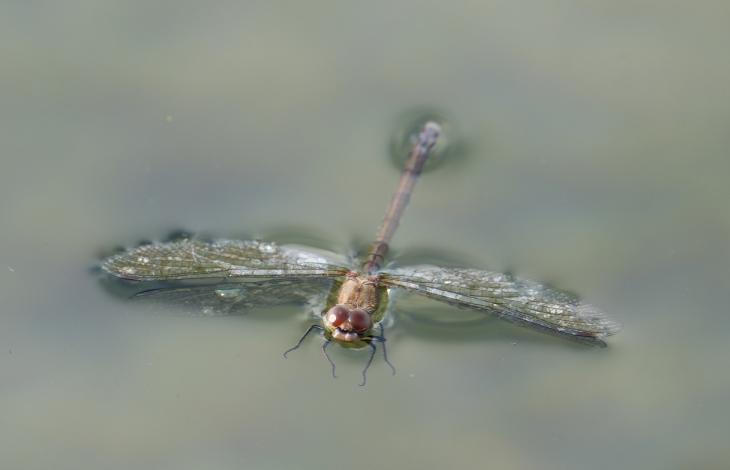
x: 111, y: 268
x: 604, y: 325
x: 119, y: 265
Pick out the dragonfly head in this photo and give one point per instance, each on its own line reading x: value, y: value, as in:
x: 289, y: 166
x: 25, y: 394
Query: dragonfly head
x: 346, y: 324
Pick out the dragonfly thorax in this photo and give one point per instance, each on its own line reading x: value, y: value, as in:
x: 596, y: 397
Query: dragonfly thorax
x: 359, y: 291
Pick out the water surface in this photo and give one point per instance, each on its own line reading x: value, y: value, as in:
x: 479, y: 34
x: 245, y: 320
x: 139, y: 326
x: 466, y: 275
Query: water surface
x: 595, y: 139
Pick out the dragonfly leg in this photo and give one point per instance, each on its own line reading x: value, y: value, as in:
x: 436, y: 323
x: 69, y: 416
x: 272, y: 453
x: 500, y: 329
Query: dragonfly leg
x: 332, y: 363
x: 299, y: 343
x: 367, y: 366
x: 385, y: 350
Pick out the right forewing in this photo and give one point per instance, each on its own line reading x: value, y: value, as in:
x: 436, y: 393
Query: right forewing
x: 517, y: 300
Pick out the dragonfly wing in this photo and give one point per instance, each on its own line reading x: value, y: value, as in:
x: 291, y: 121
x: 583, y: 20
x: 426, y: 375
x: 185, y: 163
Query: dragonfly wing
x: 195, y: 259
x: 233, y: 298
x: 520, y: 301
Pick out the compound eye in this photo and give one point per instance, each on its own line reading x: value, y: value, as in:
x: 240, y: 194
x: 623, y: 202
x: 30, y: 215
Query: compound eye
x: 337, y: 315
x: 359, y: 320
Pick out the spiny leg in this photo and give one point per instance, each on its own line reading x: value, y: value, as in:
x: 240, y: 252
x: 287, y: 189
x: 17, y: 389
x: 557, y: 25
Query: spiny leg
x: 385, y: 350
x: 299, y: 343
x: 324, y: 351
x: 381, y: 340
x: 367, y: 366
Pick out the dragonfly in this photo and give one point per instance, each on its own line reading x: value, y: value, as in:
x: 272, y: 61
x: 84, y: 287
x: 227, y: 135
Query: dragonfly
x: 220, y: 276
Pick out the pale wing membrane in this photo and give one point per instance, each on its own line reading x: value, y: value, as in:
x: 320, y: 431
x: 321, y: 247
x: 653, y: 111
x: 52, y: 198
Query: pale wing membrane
x: 195, y: 259
x: 233, y: 298
x: 507, y: 297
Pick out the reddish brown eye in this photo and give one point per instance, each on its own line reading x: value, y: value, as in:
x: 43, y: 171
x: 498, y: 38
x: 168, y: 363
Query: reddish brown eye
x: 337, y: 315
x: 359, y: 320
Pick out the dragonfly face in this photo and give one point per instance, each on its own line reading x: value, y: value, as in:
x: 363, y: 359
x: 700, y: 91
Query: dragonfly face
x: 358, y: 308
x: 346, y: 325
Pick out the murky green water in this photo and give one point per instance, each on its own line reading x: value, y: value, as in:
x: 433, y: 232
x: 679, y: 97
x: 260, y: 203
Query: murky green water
x: 595, y: 157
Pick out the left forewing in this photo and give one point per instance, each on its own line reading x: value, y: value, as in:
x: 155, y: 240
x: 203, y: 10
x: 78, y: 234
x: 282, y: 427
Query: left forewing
x: 505, y: 296
x: 195, y: 259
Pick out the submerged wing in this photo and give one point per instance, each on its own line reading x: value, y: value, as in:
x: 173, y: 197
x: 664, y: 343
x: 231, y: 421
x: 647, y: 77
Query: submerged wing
x: 195, y: 259
x: 516, y: 300
x: 232, y: 298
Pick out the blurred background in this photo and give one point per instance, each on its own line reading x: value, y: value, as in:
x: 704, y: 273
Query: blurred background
x: 589, y: 149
